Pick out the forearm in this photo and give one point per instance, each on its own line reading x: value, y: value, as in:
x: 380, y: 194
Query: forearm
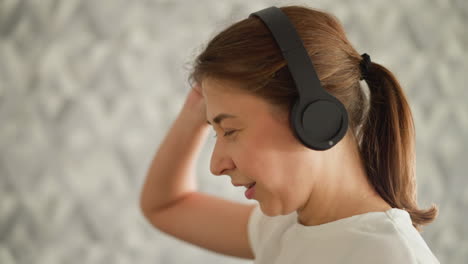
x: 172, y: 172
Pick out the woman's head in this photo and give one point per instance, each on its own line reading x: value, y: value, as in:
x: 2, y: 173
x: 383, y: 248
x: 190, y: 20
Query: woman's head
x: 242, y: 70
x: 254, y: 144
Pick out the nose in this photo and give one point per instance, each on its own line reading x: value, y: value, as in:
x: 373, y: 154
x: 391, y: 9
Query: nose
x: 220, y: 160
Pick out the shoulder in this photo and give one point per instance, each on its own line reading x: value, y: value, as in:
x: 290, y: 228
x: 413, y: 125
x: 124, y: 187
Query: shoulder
x: 393, y: 239
x: 378, y: 248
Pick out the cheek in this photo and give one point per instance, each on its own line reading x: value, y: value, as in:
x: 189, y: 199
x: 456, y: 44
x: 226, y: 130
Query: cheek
x: 278, y: 175
x: 258, y: 158
x: 269, y: 158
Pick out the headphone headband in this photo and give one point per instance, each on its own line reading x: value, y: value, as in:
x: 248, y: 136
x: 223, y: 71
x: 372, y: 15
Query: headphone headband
x: 318, y: 119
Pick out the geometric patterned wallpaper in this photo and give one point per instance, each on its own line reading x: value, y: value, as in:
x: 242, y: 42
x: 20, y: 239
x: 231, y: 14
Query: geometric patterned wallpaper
x: 88, y: 90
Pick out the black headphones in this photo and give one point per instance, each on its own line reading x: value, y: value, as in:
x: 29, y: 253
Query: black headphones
x: 318, y: 119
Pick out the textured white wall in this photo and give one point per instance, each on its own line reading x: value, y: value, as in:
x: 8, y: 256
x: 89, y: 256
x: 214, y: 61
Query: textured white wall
x: 89, y: 88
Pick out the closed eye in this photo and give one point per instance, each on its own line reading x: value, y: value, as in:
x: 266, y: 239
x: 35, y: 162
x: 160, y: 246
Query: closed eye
x: 227, y: 133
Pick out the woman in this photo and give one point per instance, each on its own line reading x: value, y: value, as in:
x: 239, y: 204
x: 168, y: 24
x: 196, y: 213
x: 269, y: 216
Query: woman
x: 352, y: 203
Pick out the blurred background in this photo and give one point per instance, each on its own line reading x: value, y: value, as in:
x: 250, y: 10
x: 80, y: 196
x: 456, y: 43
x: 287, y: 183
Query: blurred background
x: 88, y: 90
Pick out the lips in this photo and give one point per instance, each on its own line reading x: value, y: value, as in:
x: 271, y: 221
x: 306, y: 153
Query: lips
x: 248, y: 185
x: 250, y: 192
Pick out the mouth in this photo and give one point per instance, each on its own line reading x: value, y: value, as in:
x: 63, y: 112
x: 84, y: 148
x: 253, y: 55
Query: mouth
x: 248, y: 185
x: 250, y: 192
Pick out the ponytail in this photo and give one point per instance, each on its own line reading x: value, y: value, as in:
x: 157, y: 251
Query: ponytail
x: 387, y: 145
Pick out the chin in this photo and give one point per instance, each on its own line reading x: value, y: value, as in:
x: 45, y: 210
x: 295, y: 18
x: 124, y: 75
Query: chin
x: 270, y: 213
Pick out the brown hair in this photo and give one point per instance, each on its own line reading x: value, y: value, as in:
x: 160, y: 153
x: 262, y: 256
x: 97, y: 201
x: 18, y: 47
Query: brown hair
x: 382, y: 125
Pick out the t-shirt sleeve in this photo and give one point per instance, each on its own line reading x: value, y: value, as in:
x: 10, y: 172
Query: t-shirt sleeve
x: 254, y: 228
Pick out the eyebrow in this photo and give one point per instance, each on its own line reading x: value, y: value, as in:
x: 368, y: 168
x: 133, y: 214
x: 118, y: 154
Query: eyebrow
x: 220, y: 118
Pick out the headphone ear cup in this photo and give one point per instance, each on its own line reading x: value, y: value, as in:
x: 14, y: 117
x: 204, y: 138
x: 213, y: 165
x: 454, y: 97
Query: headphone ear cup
x: 319, y: 124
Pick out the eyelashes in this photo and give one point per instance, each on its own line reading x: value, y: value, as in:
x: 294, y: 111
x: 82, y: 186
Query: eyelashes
x: 227, y: 133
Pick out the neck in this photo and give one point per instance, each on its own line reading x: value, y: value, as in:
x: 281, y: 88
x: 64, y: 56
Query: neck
x: 343, y: 190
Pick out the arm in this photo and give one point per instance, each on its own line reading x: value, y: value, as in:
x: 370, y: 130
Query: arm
x: 171, y: 203
x: 171, y: 174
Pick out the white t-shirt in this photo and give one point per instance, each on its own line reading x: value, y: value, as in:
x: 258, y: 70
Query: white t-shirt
x: 374, y: 237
